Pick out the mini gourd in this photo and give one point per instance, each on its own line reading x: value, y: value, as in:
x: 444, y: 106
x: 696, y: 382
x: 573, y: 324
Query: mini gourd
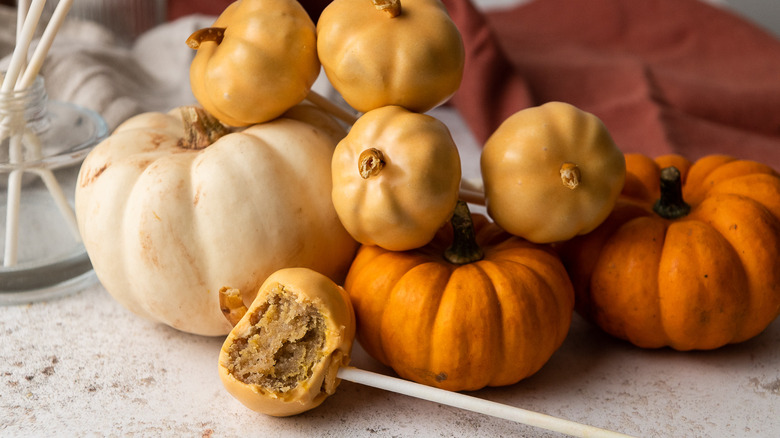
x: 689, y: 258
x: 172, y: 209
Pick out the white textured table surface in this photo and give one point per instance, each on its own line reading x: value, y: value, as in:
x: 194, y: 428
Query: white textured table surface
x: 82, y: 365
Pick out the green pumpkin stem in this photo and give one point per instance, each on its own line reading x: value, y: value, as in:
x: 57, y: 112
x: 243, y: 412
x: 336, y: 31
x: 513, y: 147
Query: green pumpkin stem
x: 464, y: 248
x: 671, y: 204
x: 201, y: 129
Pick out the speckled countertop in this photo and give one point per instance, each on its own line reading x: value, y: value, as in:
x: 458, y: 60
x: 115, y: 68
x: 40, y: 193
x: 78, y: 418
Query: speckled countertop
x: 82, y: 365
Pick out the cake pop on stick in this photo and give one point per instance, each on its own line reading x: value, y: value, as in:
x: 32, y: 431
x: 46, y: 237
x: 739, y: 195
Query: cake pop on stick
x: 289, y: 350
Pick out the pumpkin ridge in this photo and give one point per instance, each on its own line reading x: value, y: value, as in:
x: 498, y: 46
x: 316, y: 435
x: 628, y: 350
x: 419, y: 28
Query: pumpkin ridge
x: 762, y: 188
x: 710, y: 322
x: 468, y: 337
x: 417, y: 359
x: 481, y: 267
x: 619, y: 315
x: 542, y: 297
x: 758, y: 221
x: 511, y: 372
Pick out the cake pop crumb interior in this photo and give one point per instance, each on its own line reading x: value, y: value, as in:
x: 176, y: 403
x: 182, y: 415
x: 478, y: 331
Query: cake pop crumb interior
x: 283, y: 342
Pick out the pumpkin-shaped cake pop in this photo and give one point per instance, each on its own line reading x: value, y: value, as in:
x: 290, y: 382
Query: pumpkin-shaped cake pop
x: 257, y: 60
x: 395, y: 178
x: 551, y: 172
x: 387, y: 53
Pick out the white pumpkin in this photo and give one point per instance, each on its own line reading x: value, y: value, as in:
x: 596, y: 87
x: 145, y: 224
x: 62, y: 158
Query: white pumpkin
x: 166, y: 226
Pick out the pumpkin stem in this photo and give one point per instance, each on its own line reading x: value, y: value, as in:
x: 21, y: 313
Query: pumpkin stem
x: 390, y: 7
x: 671, y: 204
x: 571, y: 176
x: 232, y: 305
x: 214, y: 34
x: 370, y: 162
x: 201, y: 129
x: 464, y: 248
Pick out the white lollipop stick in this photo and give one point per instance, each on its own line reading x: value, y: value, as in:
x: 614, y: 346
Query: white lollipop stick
x: 473, y: 404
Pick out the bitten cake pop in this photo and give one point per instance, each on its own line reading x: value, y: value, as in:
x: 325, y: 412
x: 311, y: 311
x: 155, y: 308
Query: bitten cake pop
x: 282, y: 356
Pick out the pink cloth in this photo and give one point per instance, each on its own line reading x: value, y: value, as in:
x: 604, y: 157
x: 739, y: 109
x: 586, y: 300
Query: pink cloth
x: 665, y: 76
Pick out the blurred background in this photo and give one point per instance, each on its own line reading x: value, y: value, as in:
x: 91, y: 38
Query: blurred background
x: 132, y: 17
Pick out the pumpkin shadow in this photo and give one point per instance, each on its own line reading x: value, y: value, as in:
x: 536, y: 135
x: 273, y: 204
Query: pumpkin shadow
x: 584, y: 352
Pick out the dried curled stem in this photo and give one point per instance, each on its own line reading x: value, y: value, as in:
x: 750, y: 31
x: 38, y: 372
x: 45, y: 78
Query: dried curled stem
x: 201, y: 129
x: 232, y: 305
x: 214, y: 34
x: 370, y: 162
x: 571, y: 176
x: 390, y: 7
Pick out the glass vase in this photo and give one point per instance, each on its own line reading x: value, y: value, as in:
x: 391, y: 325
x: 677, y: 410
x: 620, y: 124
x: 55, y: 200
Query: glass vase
x: 43, y: 144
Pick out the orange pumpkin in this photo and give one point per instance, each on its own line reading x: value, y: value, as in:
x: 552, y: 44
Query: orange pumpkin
x: 689, y: 258
x: 489, y: 314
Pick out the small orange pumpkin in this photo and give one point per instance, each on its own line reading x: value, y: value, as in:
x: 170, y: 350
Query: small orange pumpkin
x: 689, y: 258
x: 489, y: 314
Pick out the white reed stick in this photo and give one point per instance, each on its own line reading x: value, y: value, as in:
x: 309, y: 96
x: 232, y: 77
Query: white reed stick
x: 22, y: 6
x: 36, y: 62
x: 473, y: 404
x: 12, y: 204
x: 33, y: 142
x: 472, y: 196
x: 20, y: 76
x: 333, y: 109
x: 39, y: 55
x: 19, y: 55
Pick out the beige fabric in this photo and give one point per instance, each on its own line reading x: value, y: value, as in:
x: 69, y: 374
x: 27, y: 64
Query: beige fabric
x: 88, y: 66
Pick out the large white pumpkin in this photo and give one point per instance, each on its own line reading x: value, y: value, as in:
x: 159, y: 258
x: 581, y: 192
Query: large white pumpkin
x: 167, y: 226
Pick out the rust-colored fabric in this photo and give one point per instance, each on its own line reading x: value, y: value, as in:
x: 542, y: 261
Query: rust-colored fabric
x: 180, y: 8
x: 665, y: 76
